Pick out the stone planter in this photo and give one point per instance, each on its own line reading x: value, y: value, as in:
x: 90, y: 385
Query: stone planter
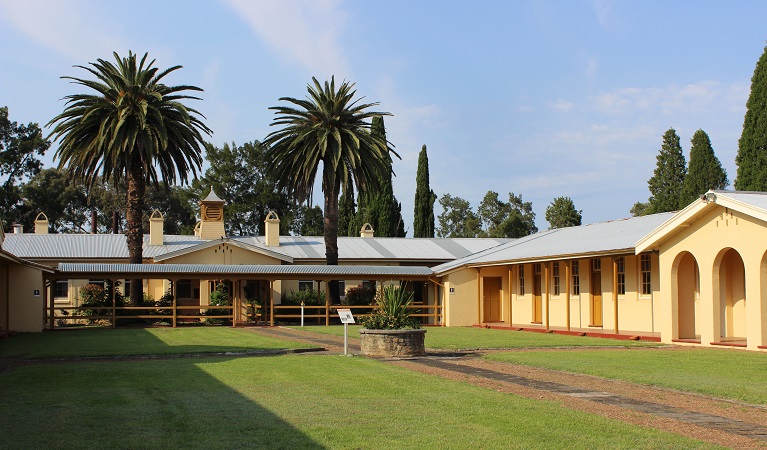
x: 392, y: 342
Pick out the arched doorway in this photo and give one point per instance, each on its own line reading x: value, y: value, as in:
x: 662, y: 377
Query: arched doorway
x: 687, y: 296
x: 730, y: 274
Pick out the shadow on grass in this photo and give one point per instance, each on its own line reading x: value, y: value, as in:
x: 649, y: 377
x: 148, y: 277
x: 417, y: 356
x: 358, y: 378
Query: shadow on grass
x: 136, y: 404
x: 138, y: 341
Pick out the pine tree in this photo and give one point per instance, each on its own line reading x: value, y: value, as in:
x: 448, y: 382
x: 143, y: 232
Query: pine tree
x: 423, y: 218
x: 561, y: 213
x: 752, y: 146
x: 667, y: 183
x: 704, y: 171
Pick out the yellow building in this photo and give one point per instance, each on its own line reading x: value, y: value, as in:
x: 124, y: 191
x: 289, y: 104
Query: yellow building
x: 694, y: 277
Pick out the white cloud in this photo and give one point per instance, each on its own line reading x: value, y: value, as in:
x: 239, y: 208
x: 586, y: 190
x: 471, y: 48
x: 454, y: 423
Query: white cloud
x: 699, y: 97
x: 603, y: 10
x: 304, y: 33
x: 561, y: 105
x: 59, y: 26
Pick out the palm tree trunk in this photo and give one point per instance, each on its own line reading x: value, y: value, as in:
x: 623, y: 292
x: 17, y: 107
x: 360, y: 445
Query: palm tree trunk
x: 330, y: 226
x: 135, y: 234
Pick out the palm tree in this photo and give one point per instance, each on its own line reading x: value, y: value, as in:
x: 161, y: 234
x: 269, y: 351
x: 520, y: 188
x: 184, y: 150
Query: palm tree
x: 331, y: 128
x: 134, y: 128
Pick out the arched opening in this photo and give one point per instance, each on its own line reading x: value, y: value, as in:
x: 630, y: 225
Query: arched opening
x: 687, y: 292
x: 730, y: 273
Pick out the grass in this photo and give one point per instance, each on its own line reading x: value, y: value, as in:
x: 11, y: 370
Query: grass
x: 138, y: 341
x: 736, y: 375
x: 292, y: 401
x: 462, y: 338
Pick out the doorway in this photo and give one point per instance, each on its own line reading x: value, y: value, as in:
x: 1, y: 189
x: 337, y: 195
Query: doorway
x: 491, y: 299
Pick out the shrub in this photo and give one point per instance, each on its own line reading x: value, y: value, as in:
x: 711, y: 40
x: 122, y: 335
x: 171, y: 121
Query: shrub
x: 359, y: 295
x: 392, y: 312
x: 219, y: 297
x: 308, y: 297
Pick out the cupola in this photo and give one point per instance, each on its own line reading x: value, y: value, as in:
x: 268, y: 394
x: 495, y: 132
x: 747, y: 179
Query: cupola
x: 212, y: 217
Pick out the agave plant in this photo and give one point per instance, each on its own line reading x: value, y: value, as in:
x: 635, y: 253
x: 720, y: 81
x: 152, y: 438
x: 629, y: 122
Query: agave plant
x: 392, y: 312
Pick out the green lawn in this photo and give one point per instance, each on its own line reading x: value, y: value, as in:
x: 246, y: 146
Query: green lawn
x: 292, y: 401
x: 464, y: 338
x: 737, y: 375
x: 138, y: 341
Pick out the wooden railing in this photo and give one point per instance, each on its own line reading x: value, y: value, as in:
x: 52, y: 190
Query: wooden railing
x: 172, y: 315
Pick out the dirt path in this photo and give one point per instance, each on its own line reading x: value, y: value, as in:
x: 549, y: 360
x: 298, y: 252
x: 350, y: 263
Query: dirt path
x: 724, y: 422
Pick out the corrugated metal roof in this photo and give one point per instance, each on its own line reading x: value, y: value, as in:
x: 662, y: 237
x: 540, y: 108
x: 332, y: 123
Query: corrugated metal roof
x: 113, y: 246
x: 602, y: 237
x: 277, y: 270
x: 755, y: 199
x: 418, y: 249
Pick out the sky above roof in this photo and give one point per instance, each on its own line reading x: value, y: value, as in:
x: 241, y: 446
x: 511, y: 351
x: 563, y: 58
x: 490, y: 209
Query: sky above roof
x: 539, y: 98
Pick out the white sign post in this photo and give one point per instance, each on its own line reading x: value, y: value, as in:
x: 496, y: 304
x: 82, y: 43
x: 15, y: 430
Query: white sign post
x: 346, y: 319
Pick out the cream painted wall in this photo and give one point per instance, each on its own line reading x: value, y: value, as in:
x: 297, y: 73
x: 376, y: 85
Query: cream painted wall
x: 460, y: 305
x: 708, y: 238
x: 26, y: 309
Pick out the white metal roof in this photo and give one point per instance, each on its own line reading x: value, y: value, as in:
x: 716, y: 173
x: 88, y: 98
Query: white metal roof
x: 295, y: 248
x: 597, y: 238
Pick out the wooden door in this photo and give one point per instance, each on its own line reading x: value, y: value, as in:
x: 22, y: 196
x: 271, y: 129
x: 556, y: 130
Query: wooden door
x: 537, y: 299
x: 596, y: 299
x: 491, y: 301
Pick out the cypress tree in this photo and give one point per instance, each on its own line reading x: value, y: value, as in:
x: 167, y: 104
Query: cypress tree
x: 752, y: 146
x: 380, y: 208
x: 704, y: 171
x: 346, y: 213
x: 423, y: 217
x: 667, y: 183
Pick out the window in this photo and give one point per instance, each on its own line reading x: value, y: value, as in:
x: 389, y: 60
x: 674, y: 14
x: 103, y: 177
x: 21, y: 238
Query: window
x: 306, y: 286
x: 342, y: 288
x: 646, y: 271
x: 555, y: 276
x: 99, y: 283
x: 621, y: 263
x: 126, y: 288
x: 576, y: 278
x: 183, y: 289
x: 418, y: 291
x: 61, y: 289
x: 596, y: 264
x: 537, y: 268
x: 521, y: 280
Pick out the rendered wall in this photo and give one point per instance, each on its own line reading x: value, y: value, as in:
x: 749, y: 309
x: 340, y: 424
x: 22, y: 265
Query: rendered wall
x: 26, y: 309
x: 708, y: 240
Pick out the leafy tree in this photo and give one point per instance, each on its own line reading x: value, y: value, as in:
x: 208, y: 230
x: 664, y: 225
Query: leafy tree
x: 423, y: 217
x: 132, y: 126
x: 457, y: 219
x: 521, y: 220
x: 667, y: 183
x: 64, y: 203
x: 752, y: 146
x: 239, y: 175
x: 492, y: 213
x: 329, y: 127
x: 20, y: 147
x: 705, y: 171
x: 178, y: 207
x: 561, y: 213
x: 511, y: 219
x: 308, y: 221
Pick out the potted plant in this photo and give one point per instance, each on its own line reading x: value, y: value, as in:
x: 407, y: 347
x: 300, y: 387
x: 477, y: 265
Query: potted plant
x: 390, y: 330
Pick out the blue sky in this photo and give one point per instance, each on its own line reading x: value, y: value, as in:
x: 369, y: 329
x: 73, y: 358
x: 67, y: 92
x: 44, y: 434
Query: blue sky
x: 539, y: 98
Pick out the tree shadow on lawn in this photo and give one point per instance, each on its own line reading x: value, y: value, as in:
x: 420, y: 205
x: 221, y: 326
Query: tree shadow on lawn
x: 85, y: 343
x: 131, y: 403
